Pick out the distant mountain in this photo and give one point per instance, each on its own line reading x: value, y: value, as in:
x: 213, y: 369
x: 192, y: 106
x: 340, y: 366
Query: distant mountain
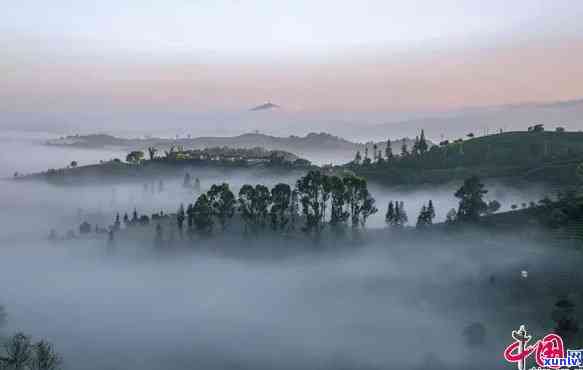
x: 265, y: 106
x: 567, y: 114
x: 316, y: 147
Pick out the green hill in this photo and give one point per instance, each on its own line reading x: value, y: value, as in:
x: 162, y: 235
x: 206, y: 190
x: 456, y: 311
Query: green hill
x: 531, y: 156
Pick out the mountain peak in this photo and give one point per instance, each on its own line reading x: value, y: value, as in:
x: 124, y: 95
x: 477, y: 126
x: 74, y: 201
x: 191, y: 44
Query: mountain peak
x: 266, y: 106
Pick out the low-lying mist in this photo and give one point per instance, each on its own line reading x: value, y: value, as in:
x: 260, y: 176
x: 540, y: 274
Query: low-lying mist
x: 390, y: 301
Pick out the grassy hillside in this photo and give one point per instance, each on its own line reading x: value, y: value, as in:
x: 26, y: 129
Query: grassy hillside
x: 531, y: 156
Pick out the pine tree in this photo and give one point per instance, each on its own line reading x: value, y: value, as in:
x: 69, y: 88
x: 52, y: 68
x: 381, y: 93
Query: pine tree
x: 390, y: 215
x: 358, y: 157
x: 422, y: 146
x: 422, y: 219
x: 404, y: 149
x: 388, y: 150
x: 117, y: 223
x: 431, y: 211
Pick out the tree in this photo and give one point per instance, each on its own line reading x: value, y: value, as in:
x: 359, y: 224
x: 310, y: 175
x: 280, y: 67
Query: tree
x: 135, y: 156
x: 180, y: 216
x: 471, y: 204
x: 357, y: 157
x: 311, y: 194
x: 359, y: 201
x: 279, y: 212
x: 73, y: 164
x: 152, y: 152
x: 338, y: 213
x: 117, y: 222
x: 126, y: 220
x: 366, y: 160
x: 222, y: 203
x: 190, y: 216
x: 404, y: 150
x: 202, y: 212
x: 19, y: 352
x: 245, y: 199
x: 374, y: 153
x: 44, y: 357
x: 388, y: 150
x: 254, y: 206
x: 423, y: 218
x: 431, y: 210
x: 422, y: 146
x: 390, y: 215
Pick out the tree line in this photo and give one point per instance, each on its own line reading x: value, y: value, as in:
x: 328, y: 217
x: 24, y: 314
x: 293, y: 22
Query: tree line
x: 316, y: 202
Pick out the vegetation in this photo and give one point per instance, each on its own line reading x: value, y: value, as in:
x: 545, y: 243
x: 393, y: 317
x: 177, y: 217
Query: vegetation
x: 533, y: 155
x: 20, y: 353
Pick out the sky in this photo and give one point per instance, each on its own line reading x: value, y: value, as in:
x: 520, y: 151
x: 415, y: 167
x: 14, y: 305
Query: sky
x: 307, y: 56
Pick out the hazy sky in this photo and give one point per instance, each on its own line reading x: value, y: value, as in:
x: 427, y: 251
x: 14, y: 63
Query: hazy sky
x: 305, y: 55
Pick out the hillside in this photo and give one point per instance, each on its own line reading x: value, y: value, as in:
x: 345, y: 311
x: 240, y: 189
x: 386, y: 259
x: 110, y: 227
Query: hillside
x: 550, y: 157
x: 317, y: 147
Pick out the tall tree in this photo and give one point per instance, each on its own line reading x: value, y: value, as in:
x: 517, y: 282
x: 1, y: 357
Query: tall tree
x: 404, y: 149
x: 471, y: 196
x: 279, y: 212
x: 338, y: 213
x: 358, y: 157
x: 390, y: 215
x: 388, y: 150
x: 203, y: 216
x: 44, y: 357
x: 180, y: 216
x: 311, y: 194
x: 222, y: 203
x: 359, y: 201
x: 422, y: 145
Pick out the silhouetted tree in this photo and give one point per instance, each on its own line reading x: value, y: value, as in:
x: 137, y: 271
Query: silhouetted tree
x: 388, y: 150
x: 279, y: 212
x: 222, y: 203
x: 471, y: 204
x: 44, y: 357
x: 357, y: 157
x: 203, y: 220
x: 422, y: 145
x: 180, y: 216
x: 359, y: 201
x: 311, y: 193
x: 19, y: 352
x: 338, y: 213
